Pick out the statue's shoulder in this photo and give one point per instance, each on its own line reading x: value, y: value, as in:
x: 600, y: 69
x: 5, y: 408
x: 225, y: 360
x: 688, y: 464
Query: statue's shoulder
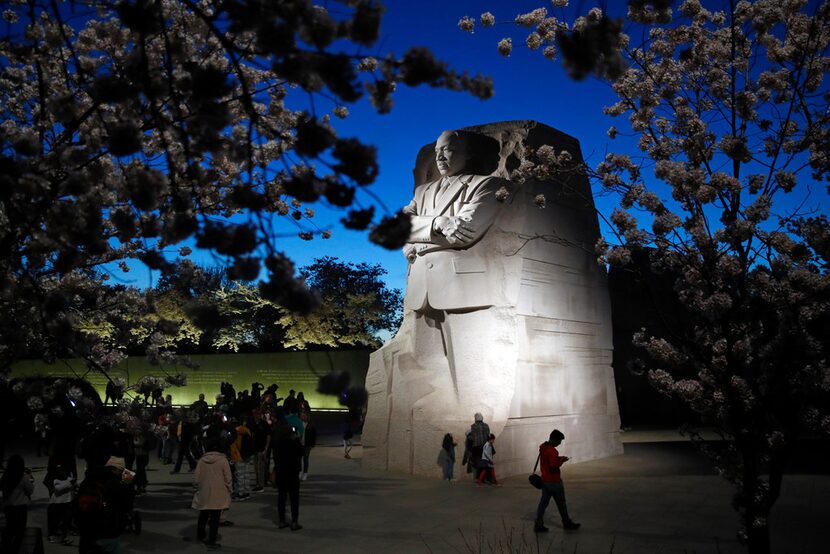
x: 424, y: 186
x: 488, y: 181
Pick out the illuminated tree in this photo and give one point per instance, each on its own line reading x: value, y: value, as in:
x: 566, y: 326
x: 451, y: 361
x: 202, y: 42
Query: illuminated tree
x: 723, y: 191
x: 130, y: 127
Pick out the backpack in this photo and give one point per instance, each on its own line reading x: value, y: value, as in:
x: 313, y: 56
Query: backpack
x: 92, y: 506
x: 246, y: 446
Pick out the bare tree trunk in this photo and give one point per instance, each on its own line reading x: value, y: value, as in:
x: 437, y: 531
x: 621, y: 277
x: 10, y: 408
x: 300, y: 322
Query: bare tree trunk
x: 756, y: 510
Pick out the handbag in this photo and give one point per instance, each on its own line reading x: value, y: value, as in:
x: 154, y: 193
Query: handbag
x: 534, y: 479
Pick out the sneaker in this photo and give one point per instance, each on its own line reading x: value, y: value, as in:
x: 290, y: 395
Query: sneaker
x: 571, y: 525
x: 213, y: 545
x: 258, y: 489
x: 295, y: 526
x: 347, y: 456
x: 303, y: 476
x: 226, y: 523
x: 52, y: 538
x: 173, y: 472
x: 539, y: 527
x: 66, y: 541
x: 282, y: 525
x: 243, y: 497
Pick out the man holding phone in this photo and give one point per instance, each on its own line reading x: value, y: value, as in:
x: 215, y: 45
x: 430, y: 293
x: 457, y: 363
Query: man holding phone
x: 550, y: 462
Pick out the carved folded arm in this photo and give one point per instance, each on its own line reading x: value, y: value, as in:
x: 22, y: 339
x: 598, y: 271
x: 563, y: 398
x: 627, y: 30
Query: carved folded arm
x: 473, y: 219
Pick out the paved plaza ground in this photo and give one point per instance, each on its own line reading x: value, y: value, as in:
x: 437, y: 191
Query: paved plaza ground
x: 660, y: 496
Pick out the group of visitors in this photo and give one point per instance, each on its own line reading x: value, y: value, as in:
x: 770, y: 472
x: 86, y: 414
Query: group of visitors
x: 479, y: 458
x: 230, y: 448
x: 235, y: 448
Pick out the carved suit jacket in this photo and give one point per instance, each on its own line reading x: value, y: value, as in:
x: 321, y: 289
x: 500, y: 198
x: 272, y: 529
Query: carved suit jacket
x: 449, y: 275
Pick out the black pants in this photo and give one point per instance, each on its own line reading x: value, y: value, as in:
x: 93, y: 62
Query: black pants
x: 141, y: 462
x: 557, y: 492
x: 211, y: 519
x: 288, y: 485
x: 306, y: 454
x: 16, y: 517
x: 184, y: 451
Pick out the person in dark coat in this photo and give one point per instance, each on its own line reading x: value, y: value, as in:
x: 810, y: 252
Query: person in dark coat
x: 188, y: 433
x: 102, y: 525
x: 290, y: 404
x: 309, y: 441
x: 288, y: 455
x: 17, y: 486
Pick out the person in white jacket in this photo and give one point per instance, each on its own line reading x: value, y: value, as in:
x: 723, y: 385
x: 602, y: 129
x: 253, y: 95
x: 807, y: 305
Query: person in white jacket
x: 59, y: 513
x: 487, y: 465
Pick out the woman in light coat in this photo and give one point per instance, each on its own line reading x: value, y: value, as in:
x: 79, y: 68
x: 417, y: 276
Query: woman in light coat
x: 214, y: 484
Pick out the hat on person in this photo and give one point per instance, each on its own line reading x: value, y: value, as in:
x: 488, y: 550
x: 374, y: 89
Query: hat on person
x: 116, y: 462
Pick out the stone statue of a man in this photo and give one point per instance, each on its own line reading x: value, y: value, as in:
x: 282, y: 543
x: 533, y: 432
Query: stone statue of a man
x: 506, y: 313
x: 461, y: 352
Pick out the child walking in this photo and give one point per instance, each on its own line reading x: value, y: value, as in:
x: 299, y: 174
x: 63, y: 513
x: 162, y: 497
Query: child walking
x: 486, y: 465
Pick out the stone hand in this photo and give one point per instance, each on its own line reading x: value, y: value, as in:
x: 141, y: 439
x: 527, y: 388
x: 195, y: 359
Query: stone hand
x: 456, y: 230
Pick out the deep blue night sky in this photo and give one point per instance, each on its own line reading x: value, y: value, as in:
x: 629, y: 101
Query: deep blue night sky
x: 526, y: 87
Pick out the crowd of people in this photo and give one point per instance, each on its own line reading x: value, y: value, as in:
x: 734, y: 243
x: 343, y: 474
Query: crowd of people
x: 235, y: 448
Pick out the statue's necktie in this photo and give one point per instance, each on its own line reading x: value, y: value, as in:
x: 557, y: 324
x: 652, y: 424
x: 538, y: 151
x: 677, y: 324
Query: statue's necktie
x: 440, y: 188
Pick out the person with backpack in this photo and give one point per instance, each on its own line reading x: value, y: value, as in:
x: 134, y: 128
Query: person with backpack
x: 17, y: 486
x: 105, y: 502
x: 214, y: 484
x: 479, y: 433
x: 550, y: 462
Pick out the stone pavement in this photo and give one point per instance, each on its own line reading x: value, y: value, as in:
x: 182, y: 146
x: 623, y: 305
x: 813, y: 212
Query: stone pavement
x: 660, y: 496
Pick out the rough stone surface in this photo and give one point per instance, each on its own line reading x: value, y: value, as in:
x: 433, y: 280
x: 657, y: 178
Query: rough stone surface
x: 546, y: 363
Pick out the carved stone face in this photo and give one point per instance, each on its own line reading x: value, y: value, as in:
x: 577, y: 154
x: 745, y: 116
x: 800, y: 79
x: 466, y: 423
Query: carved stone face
x: 451, y: 154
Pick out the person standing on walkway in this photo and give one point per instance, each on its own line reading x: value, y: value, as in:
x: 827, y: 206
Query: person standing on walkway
x: 105, y: 500
x: 241, y: 455
x: 487, y: 464
x: 448, y: 445
x: 288, y: 454
x: 479, y: 434
x: 214, y: 484
x: 309, y: 441
x: 59, y: 511
x: 550, y: 463
x: 17, y: 486
x: 186, y: 432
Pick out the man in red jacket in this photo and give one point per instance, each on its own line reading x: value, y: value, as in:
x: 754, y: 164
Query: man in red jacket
x: 550, y: 463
